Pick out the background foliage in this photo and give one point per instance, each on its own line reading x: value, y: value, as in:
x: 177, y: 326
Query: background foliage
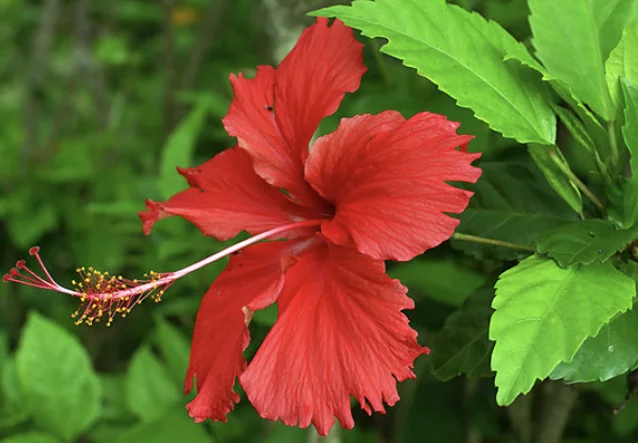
x: 101, y: 100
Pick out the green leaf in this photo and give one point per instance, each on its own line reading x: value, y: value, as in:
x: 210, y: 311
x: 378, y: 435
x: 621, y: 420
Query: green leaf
x: 172, y: 426
x: 545, y: 158
x: 612, y: 352
x: 114, y: 402
x: 31, y: 437
x: 462, y: 346
x: 12, y: 393
x: 584, y: 242
x: 179, y: 149
x: 512, y: 203
x: 463, y: 54
x: 624, y: 201
x: 544, y: 314
x: 567, y: 41
x: 64, y: 398
x: 266, y: 317
x: 174, y: 348
x: 576, y: 128
x: 623, y: 62
x: 150, y: 392
x: 443, y: 280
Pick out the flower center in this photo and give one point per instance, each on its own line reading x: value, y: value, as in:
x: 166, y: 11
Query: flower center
x: 103, y: 296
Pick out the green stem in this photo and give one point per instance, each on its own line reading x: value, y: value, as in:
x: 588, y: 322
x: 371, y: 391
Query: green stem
x: 579, y: 184
x: 493, y: 242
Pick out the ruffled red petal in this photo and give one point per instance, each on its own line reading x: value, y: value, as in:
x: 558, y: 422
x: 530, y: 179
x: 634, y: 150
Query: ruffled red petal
x: 275, y: 114
x: 340, y: 332
x: 387, y: 180
x: 252, y: 280
x: 226, y: 197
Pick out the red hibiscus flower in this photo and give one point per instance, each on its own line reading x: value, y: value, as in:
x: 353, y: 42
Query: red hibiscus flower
x: 373, y: 190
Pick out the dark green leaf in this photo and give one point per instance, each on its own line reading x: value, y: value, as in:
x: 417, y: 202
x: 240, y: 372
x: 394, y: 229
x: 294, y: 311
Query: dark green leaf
x: 64, y: 399
x: 462, y: 346
x: 463, y: 54
x: 584, y: 242
x: 543, y: 315
x: 443, y: 280
x: 613, y: 352
x: 149, y: 390
x: 512, y: 203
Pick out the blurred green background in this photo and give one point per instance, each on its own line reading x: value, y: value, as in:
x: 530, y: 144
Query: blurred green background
x: 99, y: 102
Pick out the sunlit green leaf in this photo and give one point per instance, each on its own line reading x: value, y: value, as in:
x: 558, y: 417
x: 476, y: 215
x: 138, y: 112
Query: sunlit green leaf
x: 463, y: 54
x: 612, y: 352
x: 623, y: 62
x: 567, y: 41
x: 536, y: 324
x: 64, y: 398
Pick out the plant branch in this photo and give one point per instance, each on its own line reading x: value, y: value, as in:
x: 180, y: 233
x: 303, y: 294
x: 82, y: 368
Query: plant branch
x: 579, y: 184
x: 558, y: 401
x: 493, y: 242
x: 520, y: 415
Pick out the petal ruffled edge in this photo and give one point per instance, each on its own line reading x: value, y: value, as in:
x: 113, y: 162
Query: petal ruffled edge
x: 388, y: 180
x: 340, y: 332
x: 225, y: 198
x: 251, y: 281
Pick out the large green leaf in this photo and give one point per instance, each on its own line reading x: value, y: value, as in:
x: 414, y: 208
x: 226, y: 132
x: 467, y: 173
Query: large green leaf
x: 443, y: 280
x: 623, y: 62
x: 463, y: 54
x: 584, y: 242
x: 613, y: 352
x: 567, y: 38
x: 179, y: 150
x: 512, y: 203
x: 543, y: 315
x: 64, y: 397
x: 150, y: 391
x: 462, y: 345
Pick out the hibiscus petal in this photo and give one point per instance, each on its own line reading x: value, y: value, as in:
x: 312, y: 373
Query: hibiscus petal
x: 387, y: 180
x: 340, y: 332
x: 275, y: 114
x: 252, y: 280
x: 226, y: 197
